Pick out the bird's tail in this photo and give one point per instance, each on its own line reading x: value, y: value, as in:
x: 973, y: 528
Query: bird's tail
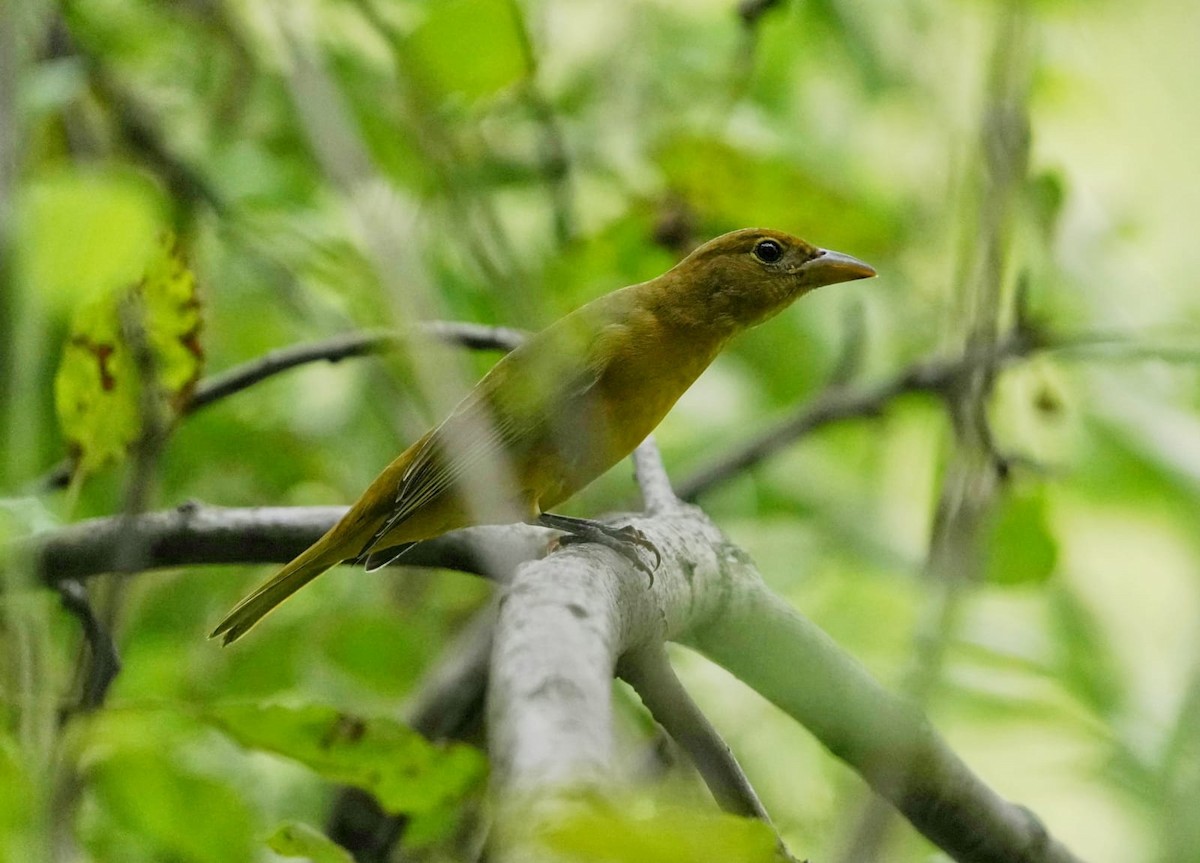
x: 308, y: 565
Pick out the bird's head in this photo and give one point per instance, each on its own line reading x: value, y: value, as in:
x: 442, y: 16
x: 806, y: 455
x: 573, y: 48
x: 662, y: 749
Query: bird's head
x: 751, y: 274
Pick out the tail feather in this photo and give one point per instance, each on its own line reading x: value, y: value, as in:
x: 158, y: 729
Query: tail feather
x: 311, y: 563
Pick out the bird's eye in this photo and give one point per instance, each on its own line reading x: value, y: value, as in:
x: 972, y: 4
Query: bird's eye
x: 768, y: 251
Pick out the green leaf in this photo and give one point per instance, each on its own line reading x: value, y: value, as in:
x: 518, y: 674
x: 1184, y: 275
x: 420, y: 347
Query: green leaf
x: 294, y: 839
x: 97, y: 391
x: 404, y: 771
x: 1020, y: 548
x: 651, y: 833
x: 470, y: 48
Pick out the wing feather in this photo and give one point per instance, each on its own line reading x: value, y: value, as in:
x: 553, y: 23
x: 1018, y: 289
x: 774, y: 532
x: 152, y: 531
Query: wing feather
x: 515, y: 406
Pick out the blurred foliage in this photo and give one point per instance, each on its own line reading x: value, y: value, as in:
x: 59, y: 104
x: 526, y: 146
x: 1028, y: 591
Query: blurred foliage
x: 294, y: 839
x: 405, y: 773
x: 330, y: 165
x: 649, y: 832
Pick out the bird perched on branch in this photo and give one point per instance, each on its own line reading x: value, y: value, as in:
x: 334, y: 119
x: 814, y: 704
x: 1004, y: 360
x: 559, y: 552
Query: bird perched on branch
x: 564, y: 407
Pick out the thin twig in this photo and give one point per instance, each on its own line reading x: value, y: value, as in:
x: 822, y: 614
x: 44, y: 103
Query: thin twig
x: 473, y: 336
x: 936, y: 376
x: 649, y: 672
x: 657, y: 495
x: 363, y: 343
x: 104, y: 662
x: 132, y: 121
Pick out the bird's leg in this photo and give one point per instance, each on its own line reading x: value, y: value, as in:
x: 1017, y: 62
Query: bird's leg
x: 625, y: 541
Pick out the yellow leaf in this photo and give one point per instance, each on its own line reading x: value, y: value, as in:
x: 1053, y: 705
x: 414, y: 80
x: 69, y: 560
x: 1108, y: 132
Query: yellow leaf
x: 98, y: 388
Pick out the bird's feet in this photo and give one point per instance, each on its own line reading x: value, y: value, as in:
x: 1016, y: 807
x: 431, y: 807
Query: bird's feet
x: 625, y: 541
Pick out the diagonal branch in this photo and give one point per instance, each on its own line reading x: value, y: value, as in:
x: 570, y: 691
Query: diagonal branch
x: 473, y: 336
x: 649, y: 672
x: 938, y: 376
x: 787, y: 659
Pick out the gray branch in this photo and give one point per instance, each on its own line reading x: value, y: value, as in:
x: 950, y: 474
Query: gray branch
x: 649, y: 672
x: 199, y: 534
x: 566, y: 620
x: 657, y: 495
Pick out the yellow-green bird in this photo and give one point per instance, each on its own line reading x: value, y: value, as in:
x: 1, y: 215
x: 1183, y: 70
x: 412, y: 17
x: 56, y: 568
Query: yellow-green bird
x: 564, y: 407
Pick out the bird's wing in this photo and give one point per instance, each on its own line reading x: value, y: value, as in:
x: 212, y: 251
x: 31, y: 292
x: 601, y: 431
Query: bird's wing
x: 519, y: 403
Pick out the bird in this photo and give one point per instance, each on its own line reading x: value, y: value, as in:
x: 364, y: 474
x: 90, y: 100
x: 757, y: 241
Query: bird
x: 563, y: 407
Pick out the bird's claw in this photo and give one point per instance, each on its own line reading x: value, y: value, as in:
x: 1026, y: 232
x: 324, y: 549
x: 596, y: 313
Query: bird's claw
x: 625, y: 541
x: 633, y: 536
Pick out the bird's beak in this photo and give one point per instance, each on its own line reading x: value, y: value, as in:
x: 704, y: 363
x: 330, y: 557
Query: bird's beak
x: 829, y: 268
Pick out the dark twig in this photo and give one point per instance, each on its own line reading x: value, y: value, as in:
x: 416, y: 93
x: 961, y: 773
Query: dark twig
x: 649, y: 672
x: 198, y: 534
x: 837, y: 403
x: 104, y: 663
x: 473, y: 336
x: 212, y: 389
x: 132, y: 120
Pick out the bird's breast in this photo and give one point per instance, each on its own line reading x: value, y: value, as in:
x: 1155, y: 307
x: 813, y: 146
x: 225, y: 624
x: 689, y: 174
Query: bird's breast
x: 638, y: 386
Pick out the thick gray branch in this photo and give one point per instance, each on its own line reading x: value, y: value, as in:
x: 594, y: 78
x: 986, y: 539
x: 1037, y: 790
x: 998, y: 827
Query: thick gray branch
x: 563, y: 623
x: 565, y: 620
